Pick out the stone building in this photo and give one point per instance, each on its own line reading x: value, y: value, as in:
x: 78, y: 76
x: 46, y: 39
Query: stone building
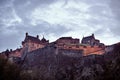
x: 89, y: 45
x: 31, y: 43
x: 15, y: 53
x: 63, y: 41
x: 90, y: 40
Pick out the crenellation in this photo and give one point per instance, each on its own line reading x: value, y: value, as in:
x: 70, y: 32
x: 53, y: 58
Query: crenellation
x: 89, y: 45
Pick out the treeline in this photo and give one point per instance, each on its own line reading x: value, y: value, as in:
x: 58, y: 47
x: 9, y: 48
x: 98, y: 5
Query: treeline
x: 10, y: 71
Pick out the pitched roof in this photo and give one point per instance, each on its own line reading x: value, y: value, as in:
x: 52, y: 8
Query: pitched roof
x: 33, y: 39
x: 44, y: 40
x: 66, y: 38
x: 89, y: 37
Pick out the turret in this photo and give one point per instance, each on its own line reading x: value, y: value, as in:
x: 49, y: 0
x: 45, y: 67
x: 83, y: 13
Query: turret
x: 10, y: 50
x: 26, y: 34
x: 92, y: 35
x: 37, y: 36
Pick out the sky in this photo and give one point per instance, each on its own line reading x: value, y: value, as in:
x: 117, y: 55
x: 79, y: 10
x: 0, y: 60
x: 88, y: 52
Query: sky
x: 57, y: 18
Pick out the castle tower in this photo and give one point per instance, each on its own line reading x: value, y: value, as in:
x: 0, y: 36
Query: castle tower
x: 31, y: 43
x: 26, y: 33
x: 37, y: 36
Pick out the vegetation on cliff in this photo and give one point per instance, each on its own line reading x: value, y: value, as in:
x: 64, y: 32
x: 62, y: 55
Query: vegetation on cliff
x: 50, y: 66
x: 11, y: 71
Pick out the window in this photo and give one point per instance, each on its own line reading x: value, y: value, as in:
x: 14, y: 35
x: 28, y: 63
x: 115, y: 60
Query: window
x: 32, y: 44
x: 77, y: 46
x: 70, y: 47
x: 84, y: 46
x: 37, y: 45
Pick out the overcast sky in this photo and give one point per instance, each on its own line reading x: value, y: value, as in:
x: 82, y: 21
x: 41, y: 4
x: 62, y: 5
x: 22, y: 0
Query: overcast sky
x: 56, y: 18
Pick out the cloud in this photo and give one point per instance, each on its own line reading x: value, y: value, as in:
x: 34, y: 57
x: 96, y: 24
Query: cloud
x: 115, y: 8
x: 56, y: 18
x: 114, y: 5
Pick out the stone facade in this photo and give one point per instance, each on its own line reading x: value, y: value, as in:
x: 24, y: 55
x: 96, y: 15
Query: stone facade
x: 89, y: 45
x: 32, y: 43
x: 87, y: 49
x: 63, y: 41
x: 90, y: 40
x: 29, y: 44
x: 15, y: 53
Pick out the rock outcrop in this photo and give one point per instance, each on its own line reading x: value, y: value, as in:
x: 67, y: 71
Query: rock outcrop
x: 50, y: 63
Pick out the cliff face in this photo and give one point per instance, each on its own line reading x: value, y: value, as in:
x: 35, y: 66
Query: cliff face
x: 50, y: 63
x: 50, y: 55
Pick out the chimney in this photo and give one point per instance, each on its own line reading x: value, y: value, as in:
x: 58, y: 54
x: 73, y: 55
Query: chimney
x: 93, y: 35
x: 37, y: 36
x: 10, y: 50
x: 26, y: 34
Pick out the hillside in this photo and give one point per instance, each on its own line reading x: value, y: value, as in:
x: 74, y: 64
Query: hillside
x: 50, y: 63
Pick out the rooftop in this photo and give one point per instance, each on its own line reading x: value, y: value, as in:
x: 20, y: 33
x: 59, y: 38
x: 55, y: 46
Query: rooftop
x: 34, y: 39
x: 89, y: 37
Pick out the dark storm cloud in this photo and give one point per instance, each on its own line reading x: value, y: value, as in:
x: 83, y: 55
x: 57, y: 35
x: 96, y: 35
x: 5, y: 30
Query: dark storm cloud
x: 56, y: 17
x: 44, y: 27
x: 4, y: 3
x: 115, y: 7
x: 94, y: 1
x: 15, y: 22
x: 13, y: 35
x: 8, y: 42
x: 25, y: 7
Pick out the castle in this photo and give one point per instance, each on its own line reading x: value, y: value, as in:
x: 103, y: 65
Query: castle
x: 32, y: 43
x: 89, y: 45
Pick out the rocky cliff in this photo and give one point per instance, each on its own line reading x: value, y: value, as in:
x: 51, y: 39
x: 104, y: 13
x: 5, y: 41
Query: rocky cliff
x: 50, y: 63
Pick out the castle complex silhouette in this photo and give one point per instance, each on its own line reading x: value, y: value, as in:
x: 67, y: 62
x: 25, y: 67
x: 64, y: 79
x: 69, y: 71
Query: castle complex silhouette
x: 89, y: 45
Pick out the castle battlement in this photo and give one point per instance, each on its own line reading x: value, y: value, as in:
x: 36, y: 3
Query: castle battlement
x: 89, y: 45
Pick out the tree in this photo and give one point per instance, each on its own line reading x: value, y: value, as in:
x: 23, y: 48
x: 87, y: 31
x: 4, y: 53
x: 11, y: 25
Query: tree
x: 10, y: 71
